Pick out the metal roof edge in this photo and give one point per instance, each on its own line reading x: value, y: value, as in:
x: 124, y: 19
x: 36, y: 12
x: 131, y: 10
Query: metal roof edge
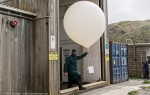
x: 139, y: 44
x: 2, y: 6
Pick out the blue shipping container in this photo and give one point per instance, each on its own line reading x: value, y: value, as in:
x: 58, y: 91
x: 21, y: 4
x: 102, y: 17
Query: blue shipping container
x: 118, y: 62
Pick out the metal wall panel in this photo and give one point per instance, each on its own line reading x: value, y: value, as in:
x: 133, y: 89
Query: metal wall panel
x: 28, y: 48
x: 16, y: 56
x: 28, y: 5
x: 124, y: 66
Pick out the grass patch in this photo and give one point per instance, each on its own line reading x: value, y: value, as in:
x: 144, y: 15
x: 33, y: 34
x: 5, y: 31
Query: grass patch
x: 136, y: 77
x: 145, y: 87
x: 132, y: 92
x: 146, y: 82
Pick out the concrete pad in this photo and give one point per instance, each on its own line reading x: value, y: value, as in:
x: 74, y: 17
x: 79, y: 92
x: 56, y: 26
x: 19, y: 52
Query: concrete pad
x: 118, y: 89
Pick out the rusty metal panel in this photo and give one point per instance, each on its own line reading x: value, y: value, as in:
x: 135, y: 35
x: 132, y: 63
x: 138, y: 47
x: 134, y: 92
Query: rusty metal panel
x: 24, y: 54
x: 24, y: 51
x: 28, y: 5
x: 16, y: 55
x: 5, y: 8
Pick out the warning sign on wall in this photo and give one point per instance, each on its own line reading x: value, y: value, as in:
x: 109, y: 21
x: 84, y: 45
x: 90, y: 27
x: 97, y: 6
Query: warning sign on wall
x: 107, y: 57
x: 53, y: 55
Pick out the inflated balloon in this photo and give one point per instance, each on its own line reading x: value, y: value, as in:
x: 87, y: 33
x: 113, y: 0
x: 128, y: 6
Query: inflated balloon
x: 84, y: 23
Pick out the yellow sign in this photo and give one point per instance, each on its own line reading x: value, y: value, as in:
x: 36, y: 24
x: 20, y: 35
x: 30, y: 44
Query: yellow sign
x: 53, y: 56
x: 107, y: 57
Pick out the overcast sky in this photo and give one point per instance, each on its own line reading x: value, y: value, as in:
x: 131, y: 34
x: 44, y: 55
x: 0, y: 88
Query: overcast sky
x: 124, y: 10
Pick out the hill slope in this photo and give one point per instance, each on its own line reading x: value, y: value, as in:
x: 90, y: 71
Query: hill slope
x: 139, y: 30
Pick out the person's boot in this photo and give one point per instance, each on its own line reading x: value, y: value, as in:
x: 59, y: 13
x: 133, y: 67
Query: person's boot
x: 79, y: 81
x: 82, y: 88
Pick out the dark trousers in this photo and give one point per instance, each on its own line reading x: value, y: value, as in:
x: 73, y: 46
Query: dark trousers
x: 146, y: 74
x: 76, y: 81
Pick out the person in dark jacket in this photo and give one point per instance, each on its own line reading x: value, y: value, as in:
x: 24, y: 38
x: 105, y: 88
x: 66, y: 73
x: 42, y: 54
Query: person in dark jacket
x: 70, y: 69
x: 146, y: 69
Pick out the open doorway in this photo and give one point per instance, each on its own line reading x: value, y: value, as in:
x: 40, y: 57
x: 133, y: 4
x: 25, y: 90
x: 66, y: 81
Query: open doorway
x: 66, y: 46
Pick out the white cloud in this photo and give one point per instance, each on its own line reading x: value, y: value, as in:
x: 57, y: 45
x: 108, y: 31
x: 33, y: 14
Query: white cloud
x: 123, y: 10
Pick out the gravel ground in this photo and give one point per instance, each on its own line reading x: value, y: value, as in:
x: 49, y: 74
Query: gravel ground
x: 143, y: 92
x: 121, y: 89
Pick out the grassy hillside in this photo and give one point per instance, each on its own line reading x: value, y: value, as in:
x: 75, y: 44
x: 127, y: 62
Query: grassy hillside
x: 138, y: 30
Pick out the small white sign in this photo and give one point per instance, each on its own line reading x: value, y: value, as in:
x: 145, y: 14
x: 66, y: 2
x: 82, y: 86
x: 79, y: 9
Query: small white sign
x: 107, y: 48
x: 53, y: 42
x: 91, y: 69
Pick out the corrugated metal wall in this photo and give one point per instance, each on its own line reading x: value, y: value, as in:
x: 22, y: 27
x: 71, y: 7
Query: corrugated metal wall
x: 29, y: 5
x: 16, y: 56
x: 41, y: 48
x: 46, y: 73
x: 27, y: 68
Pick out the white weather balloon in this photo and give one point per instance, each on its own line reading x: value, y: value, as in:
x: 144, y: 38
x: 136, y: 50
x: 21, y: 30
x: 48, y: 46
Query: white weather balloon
x: 84, y: 23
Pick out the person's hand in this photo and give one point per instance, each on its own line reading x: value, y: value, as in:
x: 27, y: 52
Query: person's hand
x: 65, y: 74
x: 87, y: 50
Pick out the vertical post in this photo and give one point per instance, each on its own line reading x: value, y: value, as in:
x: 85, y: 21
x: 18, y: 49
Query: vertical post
x: 103, y: 49
x: 54, y: 65
x: 106, y: 41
